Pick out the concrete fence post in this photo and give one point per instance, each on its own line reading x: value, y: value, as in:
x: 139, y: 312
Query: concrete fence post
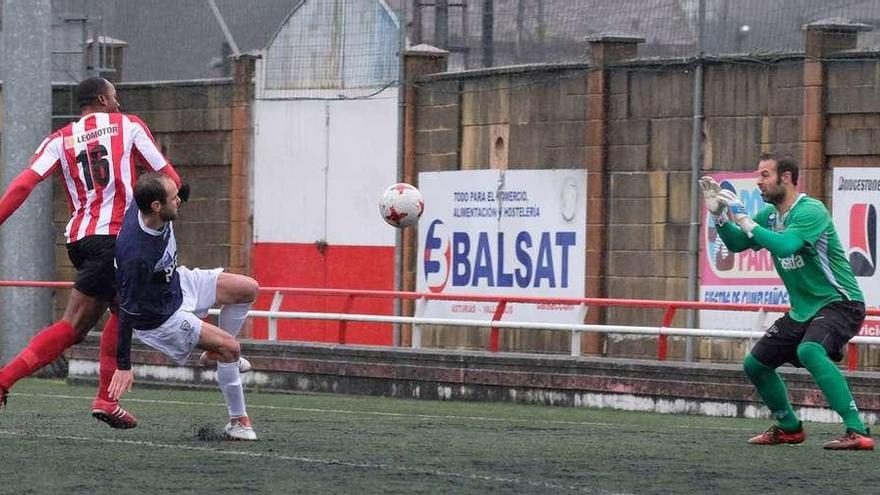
x: 604, y: 50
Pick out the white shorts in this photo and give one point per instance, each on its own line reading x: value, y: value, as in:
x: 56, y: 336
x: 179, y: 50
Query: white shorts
x: 179, y: 335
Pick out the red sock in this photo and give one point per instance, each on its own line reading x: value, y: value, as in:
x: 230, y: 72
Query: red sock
x: 108, y: 356
x: 44, y: 348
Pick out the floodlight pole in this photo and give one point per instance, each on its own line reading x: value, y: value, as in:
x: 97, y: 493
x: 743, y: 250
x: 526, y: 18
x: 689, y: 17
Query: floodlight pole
x: 27, y: 238
x: 696, y: 202
x: 401, y: 137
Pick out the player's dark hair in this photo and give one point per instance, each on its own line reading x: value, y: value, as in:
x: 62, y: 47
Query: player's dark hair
x: 784, y: 163
x: 150, y: 187
x: 88, y: 90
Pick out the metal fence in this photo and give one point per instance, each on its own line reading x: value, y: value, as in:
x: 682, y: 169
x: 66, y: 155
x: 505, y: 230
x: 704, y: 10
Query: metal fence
x: 153, y: 40
x: 489, y: 33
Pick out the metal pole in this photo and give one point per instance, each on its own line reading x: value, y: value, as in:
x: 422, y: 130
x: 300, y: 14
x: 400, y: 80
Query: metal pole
x: 224, y: 28
x: 441, y: 24
x: 696, y: 203
x: 85, y: 49
x: 520, y: 28
x: 401, y: 122
x: 416, y: 21
x: 27, y: 238
x: 488, y: 33
x: 465, y: 37
x: 541, y: 29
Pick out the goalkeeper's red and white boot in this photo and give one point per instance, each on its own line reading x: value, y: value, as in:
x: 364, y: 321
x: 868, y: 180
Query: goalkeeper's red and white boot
x: 853, y: 440
x: 113, y: 414
x: 240, y: 428
x: 206, y: 360
x: 776, y: 436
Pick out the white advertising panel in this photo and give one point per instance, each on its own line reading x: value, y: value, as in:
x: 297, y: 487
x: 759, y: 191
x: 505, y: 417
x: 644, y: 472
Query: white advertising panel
x: 855, y: 200
x: 516, y: 232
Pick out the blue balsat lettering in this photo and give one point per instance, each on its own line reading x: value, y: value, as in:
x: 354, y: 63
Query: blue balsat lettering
x: 543, y: 266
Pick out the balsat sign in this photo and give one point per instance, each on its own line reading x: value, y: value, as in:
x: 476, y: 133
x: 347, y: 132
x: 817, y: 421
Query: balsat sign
x: 461, y: 259
x: 517, y: 232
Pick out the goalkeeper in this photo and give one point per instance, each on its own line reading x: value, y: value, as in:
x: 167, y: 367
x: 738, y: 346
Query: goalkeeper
x: 827, y: 307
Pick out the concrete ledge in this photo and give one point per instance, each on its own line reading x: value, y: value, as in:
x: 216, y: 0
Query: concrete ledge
x: 666, y: 387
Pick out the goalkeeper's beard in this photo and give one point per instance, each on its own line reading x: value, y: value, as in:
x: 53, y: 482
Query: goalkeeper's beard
x: 775, y: 196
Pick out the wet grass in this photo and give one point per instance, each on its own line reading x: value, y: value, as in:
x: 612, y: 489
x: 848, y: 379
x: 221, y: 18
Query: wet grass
x: 342, y: 444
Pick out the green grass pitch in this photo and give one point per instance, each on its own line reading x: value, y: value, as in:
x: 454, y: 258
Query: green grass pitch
x: 49, y: 443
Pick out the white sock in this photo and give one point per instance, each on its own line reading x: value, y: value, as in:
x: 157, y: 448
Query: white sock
x: 229, y: 380
x: 232, y: 317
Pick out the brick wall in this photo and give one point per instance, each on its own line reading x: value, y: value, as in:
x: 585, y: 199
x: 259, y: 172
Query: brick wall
x: 853, y: 113
x: 438, y: 133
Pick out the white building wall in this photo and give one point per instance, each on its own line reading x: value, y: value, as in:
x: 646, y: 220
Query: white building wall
x: 320, y: 167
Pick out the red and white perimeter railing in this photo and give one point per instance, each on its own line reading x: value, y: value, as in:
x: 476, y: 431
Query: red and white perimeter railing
x: 663, y: 331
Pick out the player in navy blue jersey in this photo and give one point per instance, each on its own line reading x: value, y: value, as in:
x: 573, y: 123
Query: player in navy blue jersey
x: 163, y: 304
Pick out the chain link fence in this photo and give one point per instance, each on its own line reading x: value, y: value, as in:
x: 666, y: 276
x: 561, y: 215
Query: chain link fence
x: 332, y: 44
x: 488, y: 33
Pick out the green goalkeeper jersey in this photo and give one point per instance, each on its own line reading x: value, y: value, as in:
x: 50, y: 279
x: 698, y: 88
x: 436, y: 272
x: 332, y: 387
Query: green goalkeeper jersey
x: 819, y: 273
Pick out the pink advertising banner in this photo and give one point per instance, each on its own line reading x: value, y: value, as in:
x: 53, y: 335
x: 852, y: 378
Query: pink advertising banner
x: 747, y: 277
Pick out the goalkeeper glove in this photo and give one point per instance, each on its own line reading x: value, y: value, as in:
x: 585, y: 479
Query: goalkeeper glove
x: 714, y: 203
x: 738, y: 211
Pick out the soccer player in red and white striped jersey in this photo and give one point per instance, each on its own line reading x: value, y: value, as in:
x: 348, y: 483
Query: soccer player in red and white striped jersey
x: 95, y: 158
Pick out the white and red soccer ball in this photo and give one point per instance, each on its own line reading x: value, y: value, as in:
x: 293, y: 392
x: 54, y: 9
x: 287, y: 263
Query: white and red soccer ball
x: 401, y: 205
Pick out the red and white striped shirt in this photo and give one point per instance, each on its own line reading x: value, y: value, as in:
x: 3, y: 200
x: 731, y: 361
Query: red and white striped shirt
x: 95, y: 158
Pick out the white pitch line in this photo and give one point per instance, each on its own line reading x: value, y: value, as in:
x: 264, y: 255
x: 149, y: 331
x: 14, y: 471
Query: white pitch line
x: 309, y: 460
x: 390, y: 414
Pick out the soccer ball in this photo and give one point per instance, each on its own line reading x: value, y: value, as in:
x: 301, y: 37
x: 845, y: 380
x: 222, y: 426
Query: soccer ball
x: 401, y: 205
